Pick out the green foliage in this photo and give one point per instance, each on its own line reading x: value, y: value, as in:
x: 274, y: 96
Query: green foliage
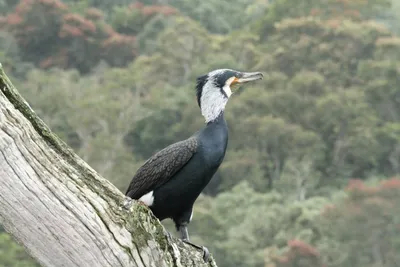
x: 327, y: 110
x: 241, y: 216
x: 216, y: 16
x: 6, y: 5
x: 9, y: 51
x: 146, y: 22
x: 131, y: 20
x: 368, y: 209
x: 334, y: 10
x: 360, y: 230
x: 98, y: 139
x: 12, y: 254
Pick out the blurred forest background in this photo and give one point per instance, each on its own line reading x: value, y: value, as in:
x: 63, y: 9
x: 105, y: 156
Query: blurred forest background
x: 309, y: 179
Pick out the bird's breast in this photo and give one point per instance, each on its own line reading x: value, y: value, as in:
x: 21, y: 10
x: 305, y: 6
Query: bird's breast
x: 214, y: 153
x: 214, y: 140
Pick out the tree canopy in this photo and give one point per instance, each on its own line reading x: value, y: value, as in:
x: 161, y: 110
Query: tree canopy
x: 309, y: 177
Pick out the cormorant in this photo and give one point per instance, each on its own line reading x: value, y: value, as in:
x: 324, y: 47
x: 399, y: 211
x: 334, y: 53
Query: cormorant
x: 170, y: 181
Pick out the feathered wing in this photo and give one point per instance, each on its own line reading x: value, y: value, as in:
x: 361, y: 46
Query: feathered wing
x: 158, y: 169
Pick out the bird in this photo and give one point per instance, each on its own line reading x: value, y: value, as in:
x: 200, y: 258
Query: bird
x: 171, y: 180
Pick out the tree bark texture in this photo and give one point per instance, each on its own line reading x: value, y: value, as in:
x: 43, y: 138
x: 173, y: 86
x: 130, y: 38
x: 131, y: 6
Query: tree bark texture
x: 62, y: 211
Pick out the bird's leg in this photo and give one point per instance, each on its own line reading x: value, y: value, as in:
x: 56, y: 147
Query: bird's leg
x: 185, y: 238
x: 184, y: 232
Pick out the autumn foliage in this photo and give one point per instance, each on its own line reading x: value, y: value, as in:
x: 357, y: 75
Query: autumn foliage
x: 365, y: 223
x: 363, y: 200
x: 64, y: 39
x: 299, y: 254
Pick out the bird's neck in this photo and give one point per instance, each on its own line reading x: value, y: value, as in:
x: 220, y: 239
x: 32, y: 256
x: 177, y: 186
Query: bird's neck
x: 215, y: 140
x: 219, y: 119
x: 216, y: 131
x: 213, y: 111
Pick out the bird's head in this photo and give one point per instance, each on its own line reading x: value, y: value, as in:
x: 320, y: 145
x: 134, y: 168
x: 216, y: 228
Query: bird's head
x: 214, y: 89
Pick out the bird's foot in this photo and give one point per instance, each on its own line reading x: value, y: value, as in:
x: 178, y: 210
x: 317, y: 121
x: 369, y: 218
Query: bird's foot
x: 127, y: 204
x: 206, y: 253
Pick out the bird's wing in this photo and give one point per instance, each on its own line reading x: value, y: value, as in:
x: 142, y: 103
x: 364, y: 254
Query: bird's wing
x: 158, y: 169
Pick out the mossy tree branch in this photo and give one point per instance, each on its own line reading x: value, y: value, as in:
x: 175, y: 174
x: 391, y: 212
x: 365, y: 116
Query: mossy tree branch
x: 62, y: 211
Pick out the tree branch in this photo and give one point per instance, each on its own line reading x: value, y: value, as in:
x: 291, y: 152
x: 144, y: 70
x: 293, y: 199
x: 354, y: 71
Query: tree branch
x: 62, y: 211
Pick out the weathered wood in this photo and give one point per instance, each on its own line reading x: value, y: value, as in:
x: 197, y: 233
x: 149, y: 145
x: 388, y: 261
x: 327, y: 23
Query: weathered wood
x: 62, y: 211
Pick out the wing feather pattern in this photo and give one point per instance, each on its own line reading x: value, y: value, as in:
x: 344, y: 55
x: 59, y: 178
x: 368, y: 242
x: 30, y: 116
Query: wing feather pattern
x: 163, y: 165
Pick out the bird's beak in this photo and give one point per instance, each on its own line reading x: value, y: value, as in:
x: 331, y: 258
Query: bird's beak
x: 246, y: 77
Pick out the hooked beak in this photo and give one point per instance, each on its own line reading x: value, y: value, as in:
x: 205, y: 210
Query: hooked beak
x: 249, y: 77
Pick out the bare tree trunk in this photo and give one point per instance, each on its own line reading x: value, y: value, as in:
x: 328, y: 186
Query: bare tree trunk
x: 62, y: 211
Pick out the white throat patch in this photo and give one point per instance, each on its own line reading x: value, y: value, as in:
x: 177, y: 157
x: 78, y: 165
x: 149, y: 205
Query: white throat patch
x: 227, y: 86
x: 213, y: 101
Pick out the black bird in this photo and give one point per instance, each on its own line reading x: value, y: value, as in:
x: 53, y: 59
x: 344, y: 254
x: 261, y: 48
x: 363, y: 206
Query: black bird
x: 171, y: 180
